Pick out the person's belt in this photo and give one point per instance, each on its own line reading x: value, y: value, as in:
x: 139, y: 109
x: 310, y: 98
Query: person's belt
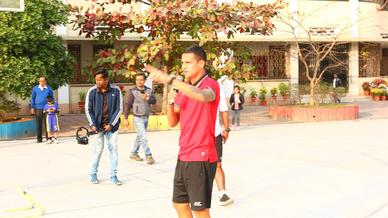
x: 140, y: 115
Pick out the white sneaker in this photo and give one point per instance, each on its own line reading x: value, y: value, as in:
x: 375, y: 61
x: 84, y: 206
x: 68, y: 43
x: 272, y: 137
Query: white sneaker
x: 49, y: 141
x: 56, y: 141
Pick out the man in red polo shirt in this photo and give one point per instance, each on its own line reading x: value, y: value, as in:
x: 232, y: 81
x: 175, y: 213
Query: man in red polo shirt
x: 196, y: 108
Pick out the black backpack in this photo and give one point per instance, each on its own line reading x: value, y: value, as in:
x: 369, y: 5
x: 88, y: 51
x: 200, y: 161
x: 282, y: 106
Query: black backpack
x: 82, y: 140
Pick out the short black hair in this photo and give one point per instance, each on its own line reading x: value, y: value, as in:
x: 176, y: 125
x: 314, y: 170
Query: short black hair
x: 104, y: 73
x: 236, y: 86
x: 197, y: 51
x: 50, y: 98
x: 140, y: 74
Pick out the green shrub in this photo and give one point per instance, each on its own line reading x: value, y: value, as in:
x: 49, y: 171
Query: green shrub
x: 274, y: 91
x: 253, y: 92
x: 82, y: 96
x: 7, y: 106
x: 284, y: 89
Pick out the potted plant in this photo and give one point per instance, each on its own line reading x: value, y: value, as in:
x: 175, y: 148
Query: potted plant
x: 383, y: 94
x: 253, y: 94
x: 366, y: 88
x: 274, y: 92
x: 376, y: 93
x: 284, y: 90
x: 262, y: 93
x: 243, y: 90
x: 81, y: 103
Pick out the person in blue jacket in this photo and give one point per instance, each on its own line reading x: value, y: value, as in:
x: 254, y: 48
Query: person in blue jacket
x: 103, y: 107
x: 38, y: 99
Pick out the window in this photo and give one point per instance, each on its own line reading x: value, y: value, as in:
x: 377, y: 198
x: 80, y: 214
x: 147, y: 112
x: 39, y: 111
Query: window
x: 75, y: 51
x: 98, y: 48
x: 369, y: 60
x: 270, y: 64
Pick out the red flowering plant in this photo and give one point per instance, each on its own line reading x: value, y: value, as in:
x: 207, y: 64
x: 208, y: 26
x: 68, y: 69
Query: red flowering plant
x: 377, y: 82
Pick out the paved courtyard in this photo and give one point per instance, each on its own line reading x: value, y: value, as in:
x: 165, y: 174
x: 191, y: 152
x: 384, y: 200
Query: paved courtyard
x: 251, y: 115
x: 328, y: 169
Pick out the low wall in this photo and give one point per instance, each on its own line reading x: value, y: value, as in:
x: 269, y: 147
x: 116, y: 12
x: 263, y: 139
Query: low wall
x: 314, y: 114
x: 22, y: 128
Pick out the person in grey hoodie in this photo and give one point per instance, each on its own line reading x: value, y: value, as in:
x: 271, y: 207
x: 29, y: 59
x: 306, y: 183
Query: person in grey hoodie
x: 140, y: 99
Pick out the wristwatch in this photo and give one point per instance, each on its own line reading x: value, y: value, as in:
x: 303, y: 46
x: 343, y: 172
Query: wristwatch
x: 227, y: 129
x: 171, y: 80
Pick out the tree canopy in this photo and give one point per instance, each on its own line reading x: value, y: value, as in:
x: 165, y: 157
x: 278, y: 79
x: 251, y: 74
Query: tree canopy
x: 29, y: 47
x: 164, y: 24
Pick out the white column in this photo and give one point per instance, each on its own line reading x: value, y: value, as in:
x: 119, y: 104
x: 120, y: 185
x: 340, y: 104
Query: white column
x: 354, y: 17
x: 294, y: 66
x: 354, y: 84
x: 64, y: 99
x: 61, y: 30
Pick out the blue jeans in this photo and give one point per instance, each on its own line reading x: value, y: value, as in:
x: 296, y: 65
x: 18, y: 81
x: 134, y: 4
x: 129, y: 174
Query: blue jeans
x: 97, y: 148
x: 141, y: 124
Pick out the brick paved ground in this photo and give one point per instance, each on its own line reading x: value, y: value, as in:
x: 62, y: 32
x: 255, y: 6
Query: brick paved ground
x: 252, y: 115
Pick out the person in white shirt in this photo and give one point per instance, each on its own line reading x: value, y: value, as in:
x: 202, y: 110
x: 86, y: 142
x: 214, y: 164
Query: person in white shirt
x: 221, y: 137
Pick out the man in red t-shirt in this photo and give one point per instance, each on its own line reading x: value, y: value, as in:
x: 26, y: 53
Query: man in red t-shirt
x: 196, y: 108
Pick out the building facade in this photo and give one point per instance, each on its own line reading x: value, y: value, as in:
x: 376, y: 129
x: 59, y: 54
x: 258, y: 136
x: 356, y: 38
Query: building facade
x: 360, y: 26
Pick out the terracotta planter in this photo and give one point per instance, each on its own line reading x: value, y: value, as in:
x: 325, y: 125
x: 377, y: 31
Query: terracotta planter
x: 314, y: 114
x: 383, y: 98
x: 253, y: 99
x: 376, y: 98
x: 366, y: 92
x: 285, y: 97
x: 81, y: 106
x: 263, y: 103
x: 274, y: 97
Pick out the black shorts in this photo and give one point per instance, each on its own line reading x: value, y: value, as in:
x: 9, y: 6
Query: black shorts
x: 193, y: 183
x: 219, y: 147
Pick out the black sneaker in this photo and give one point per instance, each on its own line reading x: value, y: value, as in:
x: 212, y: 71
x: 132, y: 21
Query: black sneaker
x: 225, y: 200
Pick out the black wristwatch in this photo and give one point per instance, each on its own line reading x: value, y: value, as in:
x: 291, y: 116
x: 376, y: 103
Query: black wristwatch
x: 227, y: 129
x: 171, y: 80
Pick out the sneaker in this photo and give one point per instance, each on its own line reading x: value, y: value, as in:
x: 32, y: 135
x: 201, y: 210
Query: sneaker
x: 135, y: 157
x: 150, y: 160
x: 49, y: 141
x: 93, y: 179
x: 225, y: 200
x: 115, y: 181
x: 56, y: 141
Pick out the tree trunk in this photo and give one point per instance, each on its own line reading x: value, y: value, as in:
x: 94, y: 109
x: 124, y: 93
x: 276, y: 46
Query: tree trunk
x: 165, y: 93
x: 312, y: 93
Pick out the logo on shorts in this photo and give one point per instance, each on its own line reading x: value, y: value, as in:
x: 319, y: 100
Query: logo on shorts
x: 197, y: 204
